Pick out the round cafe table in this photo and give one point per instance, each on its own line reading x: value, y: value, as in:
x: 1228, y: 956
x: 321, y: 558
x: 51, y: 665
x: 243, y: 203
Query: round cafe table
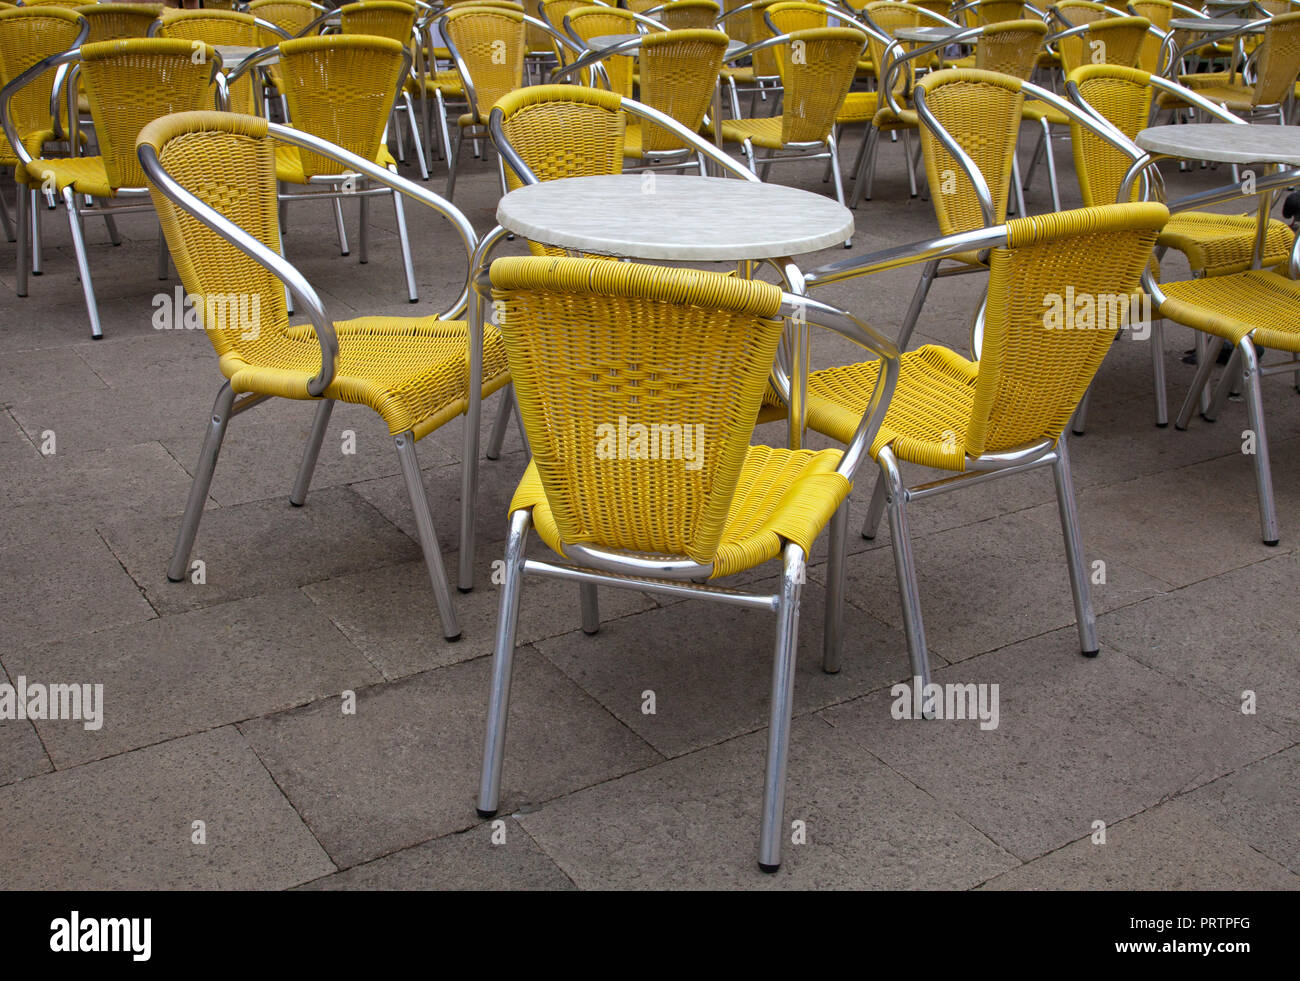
x: 928, y: 35
x: 234, y: 55
x: 1215, y: 25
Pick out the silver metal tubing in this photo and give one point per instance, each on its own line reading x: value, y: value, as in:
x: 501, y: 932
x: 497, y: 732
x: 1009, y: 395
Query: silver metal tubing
x: 83, y: 261
x: 1204, y: 365
x: 956, y: 481
x: 782, y: 703
x: 339, y: 228
x: 405, y: 443
x: 918, y: 301
x: 630, y: 564
x: 498, y: 435
x: 662, y: 587
x: 27, y: 212
x: 363, y: 247
x: 1083, y: 614
x: 1263, y: 468
x: 320, y: 422
x: 404, y: 242
x: 896, y: 496
x: 905, y: 255
x: 1227, y: 384
x: 833, y: 631
x: 1157, y: 342
x: 875, y: 509
x: 590, y: 603
x: 494, y: 743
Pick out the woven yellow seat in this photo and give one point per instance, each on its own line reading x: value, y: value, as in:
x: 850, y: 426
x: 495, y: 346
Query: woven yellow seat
x: 764, y: 132
x: 857, y: 107
x: 289, y: 167
x: 1218, y: 87
x: 781, y: 495
x: 1233, y: 306
x: 85, y: 175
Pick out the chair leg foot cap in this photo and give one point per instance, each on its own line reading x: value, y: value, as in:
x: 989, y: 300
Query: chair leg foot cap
x: 485, y: 814
x: 415, y: 299
x: 1272, y: 544
x: 830, y: 670
x: 1090, y: 653
x: 170, y: 579
x: 1162, y: 425
x: 453, y: 638
x: 769, y: 869
x: 96, y: 337
x: 464, y: 589
x: 592, y: 633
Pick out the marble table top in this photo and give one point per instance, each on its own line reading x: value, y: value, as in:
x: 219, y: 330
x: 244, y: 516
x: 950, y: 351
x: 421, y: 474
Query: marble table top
x: 1225, y: 142
x: 601, y: 41
x: 929, y: 35
x: 234, y: 55
x: 672, y: 216
x: 1210, y: 25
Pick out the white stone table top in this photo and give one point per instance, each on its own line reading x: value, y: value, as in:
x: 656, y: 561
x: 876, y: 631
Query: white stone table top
x: 234, y: 55
x: 1214, y: 25
x: 1225, y: 142
x: 672, y: 216
x: 936, y: 32
x: 601, y: 41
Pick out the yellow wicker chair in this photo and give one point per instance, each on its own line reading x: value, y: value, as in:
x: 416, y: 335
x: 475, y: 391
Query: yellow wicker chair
x: 129, y: 82
x: 291, y: 16
x: 27, y: 37
x: 488, y: 45
x: 1159, y: 13
x: 670, y: 519
x: 1007, y: 410
x: 762, y: 77
x: 213, y: 177
x: 341, y: 88
x: 1277, y: 63
x: 583, y: 23
x: 818, y: 71
x: 110, y: 21
x: 892, y: 115
x: 786, y: 17
x: 217, y: 27
x: 687, y: 15
x: 679, y: 75
x: 1113, y: 40
x: 393, y: 19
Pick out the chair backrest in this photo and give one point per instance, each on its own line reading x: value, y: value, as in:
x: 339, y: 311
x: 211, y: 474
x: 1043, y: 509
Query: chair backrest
x: 1160, y: 13
x: 1123, y: 97
x: 603, y: 354
x: 766, y: 62
x: 1011, y: 47
x: 491, y: 43
x: 1279, y: 60
x: 227, y: 161
x: 562, y: 131
x: 1110, y: 41
x: 686, y: 15
x: 980, y: 110
x: 291, y: 16
x: 679, y: 72
x: 589, y: 22
x: 889, y: 16
x: 788, y: 16
x: 553, y: 12
x: 641, y: 6
x: 131, y: 82
x: 380, y: 18
x: 1058, y: 293
x: 341, y: 88
x: 997, y: 11
x: 940, y: 7
x: 209, y: 26
x: 27, y: 37
x: 818, y: 70
x: 1075, y: 13
x: 110, y: 21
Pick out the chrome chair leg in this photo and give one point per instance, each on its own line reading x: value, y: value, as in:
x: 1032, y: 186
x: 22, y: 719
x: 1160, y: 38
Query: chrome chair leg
x: 928, y: 273
x: 83, y: 261
x: 832, y: 145
x: 110, y: 223
x: 590, y: 602
x: 405, y: 443
x: 404, y: 239
x: 1084, y: 618
x: 875, y: 510
x: 833, y: 632
x: 1204, y: 366
x: 1016, y: 186
x: 1079, y: 421
x: 339, y: 228
x: 416, y: 141
x: 911, y: 165
x: 1231, y: 375
x: 1250, y: 377
x: 498, y: 434
x: 494, y: 745
x: 164, y: 266
x: 311, y: 453
x: 905, y: 565
x: 1157, y: 342
x: 363, y: 245
x: 180, y: 560
x: 866, y: 169
x: 26, y: 218
x: 451, y: 163
x: 35, y: 209
x: 1051, y: 166
x: 5, y: 217
x: 782, y: 702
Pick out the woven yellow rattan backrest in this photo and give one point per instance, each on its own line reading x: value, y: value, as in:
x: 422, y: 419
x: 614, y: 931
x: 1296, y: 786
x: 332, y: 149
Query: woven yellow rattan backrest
x: 889, y: 16
x: 217, y: 27
x: 1011, y: 47
x: 997, y: 11
x: 1058, y: 294
x: 765, y: 62
x: 638, y: 387
x: 291, y: 16
x: 64, y: 4
x: 1279, y: 60
x: 981, y: 111
x: 641, y: 6
x: 589, y: 22
x: 341, y: 88
x: 491, y: 43
x: 29, y: 36
x: 227, y: 162
x: 789, y: 17
x: 1123, y: 97
x: 1159, y: 12
x: 131, y: 82
x: 819, y: 69
x: 1074, y: 13
x: 1110, y: 41
x: 563, y: 131
x: 110, y: 21
x: 940, y: 7
x: 688, y: 15
x: 382, y: 18
x: 679, y: 71
x: 553, y: 12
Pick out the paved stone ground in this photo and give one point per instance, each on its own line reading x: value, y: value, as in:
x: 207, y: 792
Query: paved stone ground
x: 222, y: 700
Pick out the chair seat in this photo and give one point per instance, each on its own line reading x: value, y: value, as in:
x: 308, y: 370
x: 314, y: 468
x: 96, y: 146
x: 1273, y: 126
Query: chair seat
x: 741, y: 76
x: 413, y: 371
x: 1222, y: 244
x: 1218, y: 87
x: 857, y: 107
x: 85, y: 175
x: 1036, y: 111
x: 886, y: 119
x: 447, y: 80
x: 764, y: 132
x: 633, y: 135
x: 288, y: 164
x: 33, y: 143
x: 927, y: 417
x: 1232, y: 306
x: 781, y: 495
